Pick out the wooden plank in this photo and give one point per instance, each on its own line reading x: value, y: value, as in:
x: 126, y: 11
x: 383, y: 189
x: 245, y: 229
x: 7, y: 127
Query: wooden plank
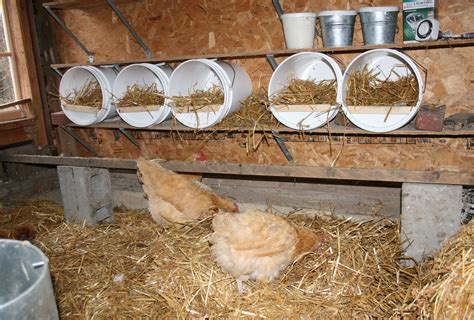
x: 287, y: 171
x: 303, y: 107
x: 285, y: 52
x: 40, y: 39
x: 77, y: 108
x: 211, y: 108
x: 17, y: 124
x: 15, y: 135
x: 379, y: 109
x: 138, y: 109
x: 58, y: 118
x: 335, y: 202
x: 300, y: 185
x: 11, y: 114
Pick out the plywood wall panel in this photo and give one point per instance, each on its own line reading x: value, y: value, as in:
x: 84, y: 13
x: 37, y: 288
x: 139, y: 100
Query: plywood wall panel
x: 187, y: 27
x: 407, y: 153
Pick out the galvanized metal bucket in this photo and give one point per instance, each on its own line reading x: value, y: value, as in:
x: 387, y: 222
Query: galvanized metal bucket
x: 379, y: 24
x: 337, y: 27
x: 26, y: 291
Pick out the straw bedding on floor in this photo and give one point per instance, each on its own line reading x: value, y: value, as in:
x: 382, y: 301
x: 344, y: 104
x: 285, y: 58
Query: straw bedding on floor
x: 137, y: 269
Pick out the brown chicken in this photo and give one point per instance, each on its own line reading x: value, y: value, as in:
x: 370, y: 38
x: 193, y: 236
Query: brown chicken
x: 22, y: 232
x: 257, y: 245
x: 176, y: 199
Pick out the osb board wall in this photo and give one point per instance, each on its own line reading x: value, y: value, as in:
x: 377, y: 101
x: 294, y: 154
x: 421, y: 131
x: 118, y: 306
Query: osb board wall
x: 361, y: 151
x: 189, y: 27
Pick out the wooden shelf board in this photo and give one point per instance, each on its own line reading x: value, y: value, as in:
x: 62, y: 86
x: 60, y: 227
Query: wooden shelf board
x: 82, y: 4
x: 283, y: 52
x: 240, y: 169
x: 409, y: 130
x: 18, y: 123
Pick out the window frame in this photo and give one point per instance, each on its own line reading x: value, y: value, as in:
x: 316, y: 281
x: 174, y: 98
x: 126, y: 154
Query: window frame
x: 11, y: 110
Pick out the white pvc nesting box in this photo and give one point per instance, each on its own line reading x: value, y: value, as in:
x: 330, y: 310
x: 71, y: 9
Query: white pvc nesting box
x: 312, y: 66
x: 75, y: 79
x: 143, y: 74
x: 389, y: 64
x: 204, y: 74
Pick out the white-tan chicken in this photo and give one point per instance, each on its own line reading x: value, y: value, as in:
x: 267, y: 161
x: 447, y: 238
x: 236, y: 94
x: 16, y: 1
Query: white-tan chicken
x: 175, y: 198
x: 257, y: 245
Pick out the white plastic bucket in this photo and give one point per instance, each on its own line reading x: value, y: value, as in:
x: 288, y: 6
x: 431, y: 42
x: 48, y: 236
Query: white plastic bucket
x: 143, y: 74
x: 306, y: 66
x: 75, y: 79
x: 203, y: 74
x: 299, y: 29
x: 375, y: 119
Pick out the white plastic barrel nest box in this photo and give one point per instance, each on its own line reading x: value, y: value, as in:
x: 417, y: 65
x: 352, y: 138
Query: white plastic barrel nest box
x: 299, y: 29
x: 75, y: 79
x: 312, y: 66
x: 388, y: 63
x: 204, y: 74
x: 144, y: 75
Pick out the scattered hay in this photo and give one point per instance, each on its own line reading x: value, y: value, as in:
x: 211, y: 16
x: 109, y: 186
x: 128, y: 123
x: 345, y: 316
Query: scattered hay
x: 254, y: 115
x: 446, y: 289
x: 365, y: 89
x: 305, y: 92
x: 137, y: 269
x: 199, y: 99
x: 90, y: 95
x: 136, y: 96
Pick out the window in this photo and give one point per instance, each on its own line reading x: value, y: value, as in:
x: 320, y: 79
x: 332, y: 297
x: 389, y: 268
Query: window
x: 8, y: 79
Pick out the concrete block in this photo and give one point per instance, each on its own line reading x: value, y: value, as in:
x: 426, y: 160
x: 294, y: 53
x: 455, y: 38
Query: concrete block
x: 431, y: 213
x: 86, y: 194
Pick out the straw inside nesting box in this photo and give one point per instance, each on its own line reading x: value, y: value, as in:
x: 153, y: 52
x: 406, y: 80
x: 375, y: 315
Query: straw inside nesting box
x: 365, y: 88
x: 199, y: 99
x: 137, y: 95
x: 89, y: 95
x: 307, y: 92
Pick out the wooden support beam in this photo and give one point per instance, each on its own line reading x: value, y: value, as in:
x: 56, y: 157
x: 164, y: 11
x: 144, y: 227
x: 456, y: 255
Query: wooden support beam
x: 16, y: 124
x: 15, y: 135
x: 286, y: 171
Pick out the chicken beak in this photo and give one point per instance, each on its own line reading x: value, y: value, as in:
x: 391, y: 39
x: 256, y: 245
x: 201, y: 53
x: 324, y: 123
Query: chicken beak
x: 236, y: 208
